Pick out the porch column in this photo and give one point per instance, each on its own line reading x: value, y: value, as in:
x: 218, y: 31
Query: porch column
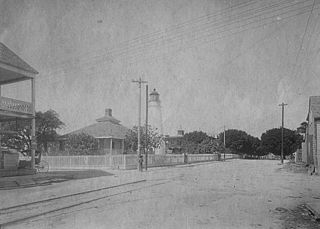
x: 122, y: 147
x: 110, y: 146
x: 33, y: 124
x: 0, y: 126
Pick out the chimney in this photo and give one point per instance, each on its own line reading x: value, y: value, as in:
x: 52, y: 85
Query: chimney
x: 180, y: 132
x: 108, y: 112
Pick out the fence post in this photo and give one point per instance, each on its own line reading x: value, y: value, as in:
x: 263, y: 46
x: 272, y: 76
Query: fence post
x: 110, y: 161
x: 124, y: 161
x: 185, y: 158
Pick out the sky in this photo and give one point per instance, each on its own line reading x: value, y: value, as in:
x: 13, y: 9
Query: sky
x: 214, y: 63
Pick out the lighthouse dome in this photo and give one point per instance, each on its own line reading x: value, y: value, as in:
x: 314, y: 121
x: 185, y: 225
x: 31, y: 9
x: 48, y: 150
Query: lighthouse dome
x: 154, y: 95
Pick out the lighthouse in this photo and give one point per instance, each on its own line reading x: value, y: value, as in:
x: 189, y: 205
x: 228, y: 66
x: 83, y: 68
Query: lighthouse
x: 155, y: 118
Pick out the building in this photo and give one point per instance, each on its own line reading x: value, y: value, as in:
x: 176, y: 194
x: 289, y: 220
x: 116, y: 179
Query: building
x: 12, y: 70
x: 109, y: 132
x: 299, y: 152
x: 311, y: 147
x: 155, y: 115
x: 155, y: 119
x: 174, y: 144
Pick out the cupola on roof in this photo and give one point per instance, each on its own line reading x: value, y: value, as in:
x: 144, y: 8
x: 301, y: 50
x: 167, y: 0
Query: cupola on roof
x: 105, y: 127
x: 108, y: 117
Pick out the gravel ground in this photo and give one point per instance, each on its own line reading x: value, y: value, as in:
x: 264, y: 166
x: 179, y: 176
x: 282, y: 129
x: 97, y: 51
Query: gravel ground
x: 233, y: 194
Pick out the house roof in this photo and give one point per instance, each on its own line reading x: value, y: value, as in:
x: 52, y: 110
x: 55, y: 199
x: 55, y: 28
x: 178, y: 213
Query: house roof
x: 107, y: 118
x: 8, y: 57
x: 314, y: 106
x: 105, y: 127
x: 173, y: 137
x: 104, y: 130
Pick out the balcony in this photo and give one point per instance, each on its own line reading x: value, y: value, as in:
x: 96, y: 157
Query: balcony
x: 10, y: 108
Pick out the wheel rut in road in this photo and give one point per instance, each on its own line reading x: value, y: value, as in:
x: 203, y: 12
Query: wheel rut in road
x: 20, y: 213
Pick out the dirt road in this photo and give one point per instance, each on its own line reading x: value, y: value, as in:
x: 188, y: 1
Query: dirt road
x: 232, y: 194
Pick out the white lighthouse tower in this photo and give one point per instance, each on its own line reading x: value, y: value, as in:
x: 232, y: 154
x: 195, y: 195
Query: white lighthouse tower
x: 155, y: 117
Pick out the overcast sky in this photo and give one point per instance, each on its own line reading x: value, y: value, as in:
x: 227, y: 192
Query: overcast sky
x: 214, y: 63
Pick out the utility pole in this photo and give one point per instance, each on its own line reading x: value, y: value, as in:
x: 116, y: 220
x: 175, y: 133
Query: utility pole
x: 282, y: 105
x: 146, y: 160
x: 224, y: 142
x: 139, y: 82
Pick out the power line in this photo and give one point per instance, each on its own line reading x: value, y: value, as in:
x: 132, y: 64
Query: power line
x: 304, y: 34
x: 249, y: 12
x: 242, y: 31
x: 204, y: 17
x: 253, y: 23
x: 246, y: 29
x: 138, y: 50
x: 144, y: 46
x: 270, y: 7
x: 299, y: 70
x: 207, y: 25
x: 227, y: 30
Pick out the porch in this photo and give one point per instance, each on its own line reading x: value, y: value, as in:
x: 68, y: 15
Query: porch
x: 12, y: 71
x: 110, y: 145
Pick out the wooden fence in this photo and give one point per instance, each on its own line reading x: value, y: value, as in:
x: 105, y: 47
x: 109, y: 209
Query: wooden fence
x: 128, y: 161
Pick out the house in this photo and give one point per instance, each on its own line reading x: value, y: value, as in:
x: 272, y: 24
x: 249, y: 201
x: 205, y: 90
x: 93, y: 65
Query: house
x: 301, y: 150
x: 12, y: 70
x: 174, y: 143
x: 311, y: 147
x: 109, y: 132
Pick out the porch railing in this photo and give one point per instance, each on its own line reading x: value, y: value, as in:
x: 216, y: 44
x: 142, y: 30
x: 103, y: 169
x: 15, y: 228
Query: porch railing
x: 13, y: 105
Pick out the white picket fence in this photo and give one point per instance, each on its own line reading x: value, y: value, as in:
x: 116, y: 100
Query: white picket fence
x: 128, y: 161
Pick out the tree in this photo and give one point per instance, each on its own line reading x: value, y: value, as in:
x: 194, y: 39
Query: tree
x: 198, y: 142
x: 189, y: 147
x: 302, y: 128
x: 196, y: 137
x: 191, y: 142
x: 256, y: 147
x: 18, y: 135
x: 131, y: 140
x: 81, y: 144
x: 46, y: 125
x: 271, y: 141
x: 239, y: 142
x: 210, y: 145
x: 304, y: 124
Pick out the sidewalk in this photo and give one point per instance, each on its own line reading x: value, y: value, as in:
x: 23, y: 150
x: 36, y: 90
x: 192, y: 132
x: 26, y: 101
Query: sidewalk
x: 26, y: 189
x: 48, y: 178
